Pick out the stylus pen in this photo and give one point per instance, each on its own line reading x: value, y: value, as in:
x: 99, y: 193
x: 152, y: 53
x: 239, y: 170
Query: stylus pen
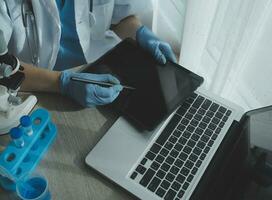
x: 101, y: 83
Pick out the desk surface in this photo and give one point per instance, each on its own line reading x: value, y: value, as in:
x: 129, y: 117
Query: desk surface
x: 64, y: 165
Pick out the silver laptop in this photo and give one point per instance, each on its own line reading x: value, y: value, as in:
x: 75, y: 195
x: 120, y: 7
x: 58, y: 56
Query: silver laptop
x: 166, y: 163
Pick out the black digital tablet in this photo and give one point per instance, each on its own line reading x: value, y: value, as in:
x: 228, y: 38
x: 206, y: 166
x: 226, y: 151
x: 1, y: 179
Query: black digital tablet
x: 159, y: 89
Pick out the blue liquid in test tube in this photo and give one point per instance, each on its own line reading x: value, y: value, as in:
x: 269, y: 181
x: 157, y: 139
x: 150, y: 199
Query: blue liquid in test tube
x: 16, y: 135
x: 26, y: 125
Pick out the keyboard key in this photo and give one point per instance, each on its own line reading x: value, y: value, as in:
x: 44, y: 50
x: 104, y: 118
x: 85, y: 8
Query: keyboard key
x: 192, y: 110
x: 160, y: 192
x: 182, y: 140
x: 170, y: 195
x: 185, y: 185
x: 204, y: 138
x: 222, y: 109
x: 155, y: 148
x: 193, y: 157
x: 199, y: 131
x: 190, y: 129
x: 189, y: 164
x: 194, y: 123
x: 180, y: 178
x: 174, y: 153
x: 208, y: 132
x: 164, y: 152
x: 190, y: 100
x: 197, y: 151
x: 194, y: 170
x: 219, y: 115
x: 221, y: 125
x: 225, y: 118
x: 150, y: 155
x: 165, y: 167
x: 180, y: 194
x: 181, y: 111
x: 198, y: 102
x: 165, y: 184
x: 154, y: 184
x: 181, y: 127
x: 174, y: 169
x: 210, y: 143
x: 159, y: 158
x: 206, y: 119
x: 212, y: 126
x: 168, y: 130
x: 206, y: 104
x: 193, y: 96
x: 191, y: 143
x: 189, y: 116
x: 147, y: 177
x: 173, y: 139
x: 183, y: 156
x: 170, y: 177
x: 201, y: 111
x: 177, y: 133
x: 198, y: 163
x: 187, y: 149
x: 185, y: 121
x: 178, y: 163
x: 176, y: 186
x: 133, y: 175
x: 190, y: 178
x: 210, y: 114
x: 214, y: 107
x: 202, y: 156
x: 186, y: 134
x: 184, y: 171
x: 198, y: 117
x: 214, y: 137
x: 228, y: 113
x: 207, y: 149
x: 160, y: 174
x: 215, y: 120
x: 168, y: 145
x: 185, y: 105
x: 155, y: 165
x: 218, y: 130
x: 143, y: 161
x: 202, y: 125
x: 200, y: 145
x: 178, y: 147
x: 141, y: 169
x: 195, y: 137
x: 170, y: 160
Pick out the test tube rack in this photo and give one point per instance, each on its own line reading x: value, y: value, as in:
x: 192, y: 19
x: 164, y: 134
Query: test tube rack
x: 17, y: 163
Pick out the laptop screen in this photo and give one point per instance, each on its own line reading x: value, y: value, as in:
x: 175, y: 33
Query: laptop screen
x: 159, y: 88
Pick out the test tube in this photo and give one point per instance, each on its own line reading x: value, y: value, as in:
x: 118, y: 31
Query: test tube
x: 26, y: 125
x: 16, y: 135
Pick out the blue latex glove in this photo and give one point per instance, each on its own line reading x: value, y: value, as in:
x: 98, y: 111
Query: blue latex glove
x: 89, y: 95
x: 160, y: 50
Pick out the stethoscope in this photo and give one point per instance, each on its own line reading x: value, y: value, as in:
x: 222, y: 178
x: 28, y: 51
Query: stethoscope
x: 31, y: 30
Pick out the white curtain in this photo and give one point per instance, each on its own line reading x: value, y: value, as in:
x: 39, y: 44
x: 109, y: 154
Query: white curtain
x: 229, y: 43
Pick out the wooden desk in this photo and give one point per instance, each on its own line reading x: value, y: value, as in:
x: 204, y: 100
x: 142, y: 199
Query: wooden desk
x: 64, y: 164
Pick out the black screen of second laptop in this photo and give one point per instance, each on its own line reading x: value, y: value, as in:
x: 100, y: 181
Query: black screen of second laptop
x: 159, y: 89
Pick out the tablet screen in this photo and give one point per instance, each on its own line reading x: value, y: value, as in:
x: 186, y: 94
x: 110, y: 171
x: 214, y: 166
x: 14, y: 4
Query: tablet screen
x: 159, y: 89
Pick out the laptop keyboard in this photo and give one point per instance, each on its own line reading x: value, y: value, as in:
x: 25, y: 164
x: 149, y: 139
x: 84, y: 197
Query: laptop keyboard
x: 173, y: 160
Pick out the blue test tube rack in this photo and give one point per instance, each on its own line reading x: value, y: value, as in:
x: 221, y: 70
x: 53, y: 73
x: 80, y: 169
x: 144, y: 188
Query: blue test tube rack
x: 17, y: 163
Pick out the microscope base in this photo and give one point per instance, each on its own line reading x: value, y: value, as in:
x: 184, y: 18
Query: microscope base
x: 12, y: 120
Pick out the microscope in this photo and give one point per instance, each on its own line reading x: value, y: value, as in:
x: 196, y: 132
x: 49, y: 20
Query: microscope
x: 12, y: 106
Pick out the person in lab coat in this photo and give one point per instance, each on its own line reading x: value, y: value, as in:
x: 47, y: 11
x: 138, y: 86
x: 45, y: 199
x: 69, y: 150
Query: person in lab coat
x: 51, y: 36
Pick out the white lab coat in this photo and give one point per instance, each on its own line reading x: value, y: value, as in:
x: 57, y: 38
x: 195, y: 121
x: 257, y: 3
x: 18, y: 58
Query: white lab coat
x: 92, y: 28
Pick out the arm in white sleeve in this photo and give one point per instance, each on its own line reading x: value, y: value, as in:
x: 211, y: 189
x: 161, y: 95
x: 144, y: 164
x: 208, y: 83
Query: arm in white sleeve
x: 125, y: 8
x: 5, y: 22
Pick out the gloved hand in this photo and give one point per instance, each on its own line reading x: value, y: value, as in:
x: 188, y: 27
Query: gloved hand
x: 160, y: 50
x: 89, y: 95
